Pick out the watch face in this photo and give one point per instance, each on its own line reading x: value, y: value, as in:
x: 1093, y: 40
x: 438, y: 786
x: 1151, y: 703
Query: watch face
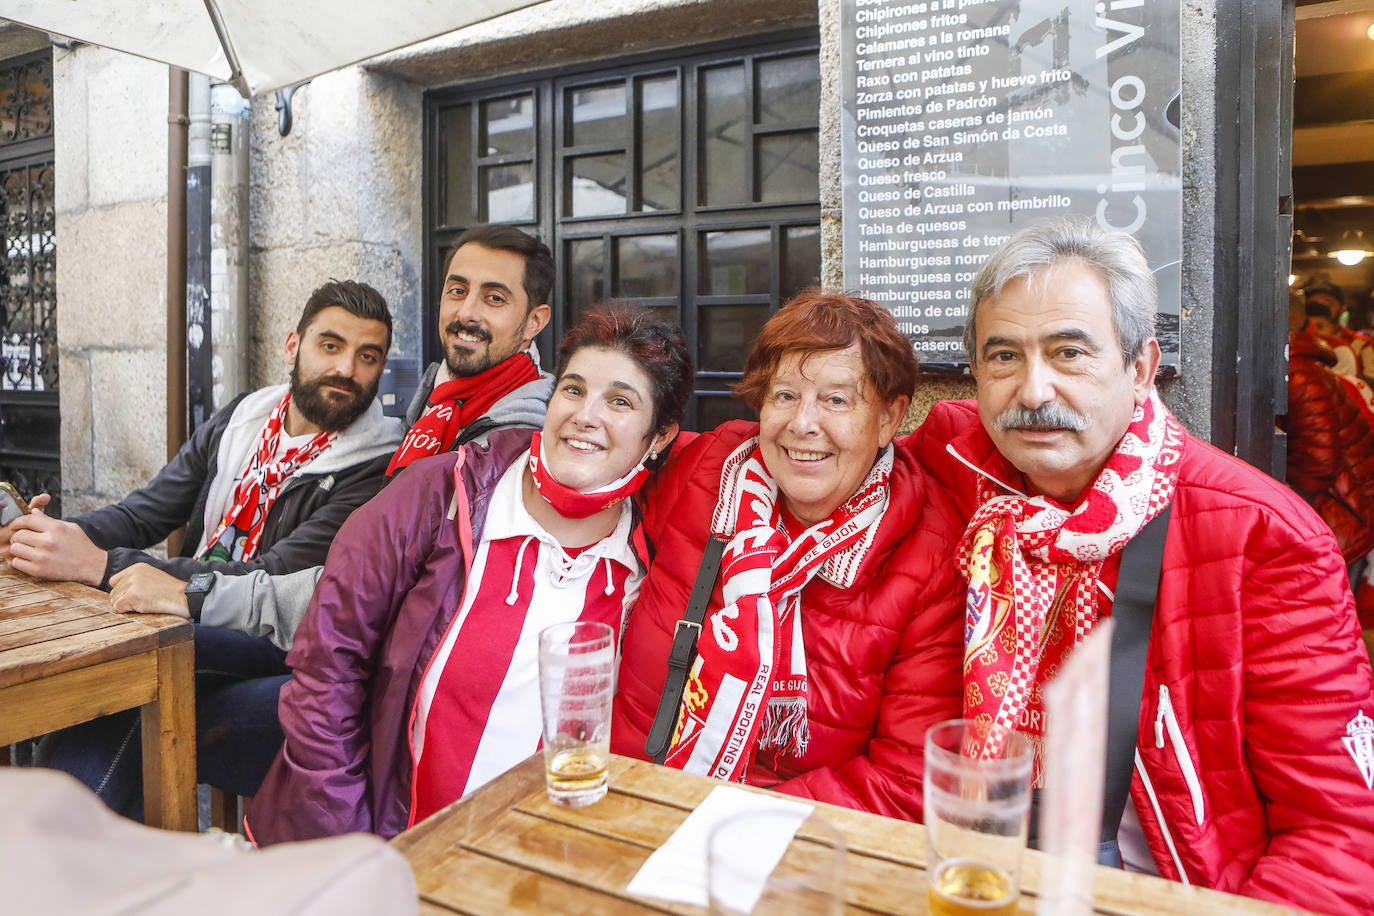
x: 200, y: 583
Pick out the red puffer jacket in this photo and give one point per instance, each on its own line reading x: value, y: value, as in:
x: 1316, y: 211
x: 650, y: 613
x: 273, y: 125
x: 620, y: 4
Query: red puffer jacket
x: 1330, y: 446
x: 1255, y: 677
x: 883, y: 657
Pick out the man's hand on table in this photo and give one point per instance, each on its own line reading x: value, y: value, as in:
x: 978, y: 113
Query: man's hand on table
x: 48, y: 548
x: 145, y: 589
x: 6, y: 531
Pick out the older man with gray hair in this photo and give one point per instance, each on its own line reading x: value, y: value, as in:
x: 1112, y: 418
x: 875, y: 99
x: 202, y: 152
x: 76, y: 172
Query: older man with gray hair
x: 1239, y: 736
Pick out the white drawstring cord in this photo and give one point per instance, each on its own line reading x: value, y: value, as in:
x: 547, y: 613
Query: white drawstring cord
x: 514, y: 595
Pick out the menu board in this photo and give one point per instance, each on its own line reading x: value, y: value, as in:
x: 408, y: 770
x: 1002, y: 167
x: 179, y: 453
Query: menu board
x: 966, y: 120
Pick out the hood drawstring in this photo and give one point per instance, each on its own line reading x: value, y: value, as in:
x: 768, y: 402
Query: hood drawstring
x: 563, y: 568
x: 514, y: 595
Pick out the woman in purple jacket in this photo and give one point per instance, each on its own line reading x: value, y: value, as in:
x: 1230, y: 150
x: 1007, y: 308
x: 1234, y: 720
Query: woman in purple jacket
x: 414, y: 673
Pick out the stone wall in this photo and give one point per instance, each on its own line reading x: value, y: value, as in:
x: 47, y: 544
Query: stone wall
x: 110, y: 122
x: 338, y: 197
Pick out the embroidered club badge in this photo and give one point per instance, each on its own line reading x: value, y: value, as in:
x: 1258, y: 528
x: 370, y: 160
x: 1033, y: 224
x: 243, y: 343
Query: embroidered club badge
x: 1359, y: 741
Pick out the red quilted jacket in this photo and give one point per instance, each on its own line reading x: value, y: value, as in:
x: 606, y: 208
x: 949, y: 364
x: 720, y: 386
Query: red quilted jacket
x: 1254, y: 674
x: 883, y: 657
x: 1330, y: 446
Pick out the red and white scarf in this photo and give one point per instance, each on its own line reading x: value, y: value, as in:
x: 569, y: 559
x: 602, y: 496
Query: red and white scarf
x: 748, y: 685
x: 260, y: 483
x: 1034, y: 566
x: 456, y: 403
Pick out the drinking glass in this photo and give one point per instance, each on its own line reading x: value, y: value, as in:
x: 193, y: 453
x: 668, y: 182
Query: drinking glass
x: 977, y: 806
x: 748, y: 870
x: 576, y: 683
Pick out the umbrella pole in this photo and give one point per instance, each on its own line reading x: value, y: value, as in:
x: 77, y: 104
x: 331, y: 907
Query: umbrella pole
x: 178, y: 92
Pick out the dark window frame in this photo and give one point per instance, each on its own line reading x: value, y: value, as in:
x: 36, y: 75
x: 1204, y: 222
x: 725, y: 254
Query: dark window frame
x: 688, y: 222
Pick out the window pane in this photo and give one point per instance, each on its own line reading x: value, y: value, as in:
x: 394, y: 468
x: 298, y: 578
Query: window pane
x: 788, y: 90
x: 788, y: 167
x: 727, y: 334
x: 595, y: 185
x: 659, y: 141
x: 713, y: 411
x: 586, y: 266
x: 455, y: 157
x: 596, y: 115
x: 508, y: 126
x: 736, y: 262
x: 509, y: 193
x: 647, y: 266
x: 801, y: 259
x: 724, y: 138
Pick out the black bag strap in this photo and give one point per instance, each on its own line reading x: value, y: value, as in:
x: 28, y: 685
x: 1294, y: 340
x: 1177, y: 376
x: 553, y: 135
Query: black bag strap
x: 1133, y: 605
x: 683, y: 653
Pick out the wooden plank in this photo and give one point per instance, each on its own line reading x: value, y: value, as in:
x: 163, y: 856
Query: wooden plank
x: 13, y: 620
x: 591, y: 861
x: 470, y: 882
x: 55, y: 626
x: 169, y: 742
x: 35, y: 708
x: 31, y: 663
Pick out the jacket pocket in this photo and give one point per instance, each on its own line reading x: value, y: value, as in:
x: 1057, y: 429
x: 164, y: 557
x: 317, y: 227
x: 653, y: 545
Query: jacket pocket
x: 1166, y: 722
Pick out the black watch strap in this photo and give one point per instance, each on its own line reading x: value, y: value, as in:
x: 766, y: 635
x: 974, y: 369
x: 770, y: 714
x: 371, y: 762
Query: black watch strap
x: 196, y: 590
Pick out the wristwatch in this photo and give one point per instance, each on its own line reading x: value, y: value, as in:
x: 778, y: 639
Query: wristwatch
x: 196, y: 590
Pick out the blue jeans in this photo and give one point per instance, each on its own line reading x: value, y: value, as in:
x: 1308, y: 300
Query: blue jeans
x: 238, y: 679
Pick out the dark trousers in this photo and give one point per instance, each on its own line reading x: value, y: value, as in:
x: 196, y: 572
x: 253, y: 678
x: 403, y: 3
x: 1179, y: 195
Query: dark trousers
x: 238, y: 679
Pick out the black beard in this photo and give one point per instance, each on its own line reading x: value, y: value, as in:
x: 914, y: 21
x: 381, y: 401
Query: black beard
x: 472, y: 363
x: 325, y: 410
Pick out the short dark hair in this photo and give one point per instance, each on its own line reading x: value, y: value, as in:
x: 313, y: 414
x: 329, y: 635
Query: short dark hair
x: 820, y: 322
x: 351, y: 296
x: 654, y: 343
x: 1325, y: 288
x: 538, y: 279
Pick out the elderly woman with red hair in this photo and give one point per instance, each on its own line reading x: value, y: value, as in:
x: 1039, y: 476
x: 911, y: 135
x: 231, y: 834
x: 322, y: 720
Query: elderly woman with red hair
x: 832, y: 637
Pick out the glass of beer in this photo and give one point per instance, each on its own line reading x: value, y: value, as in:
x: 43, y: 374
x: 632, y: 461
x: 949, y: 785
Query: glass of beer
x: 771, y: 861
x: 977, y: 805
x: 576, y: 684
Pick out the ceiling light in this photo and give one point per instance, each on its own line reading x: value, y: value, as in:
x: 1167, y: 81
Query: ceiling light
x: 1370, y: 33
x: 1292, y: 278
x: 1351, y: 248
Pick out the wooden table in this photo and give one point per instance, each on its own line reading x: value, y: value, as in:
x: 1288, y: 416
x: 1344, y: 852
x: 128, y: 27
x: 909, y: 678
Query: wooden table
x: 66, y: 658
x: 507, y: 849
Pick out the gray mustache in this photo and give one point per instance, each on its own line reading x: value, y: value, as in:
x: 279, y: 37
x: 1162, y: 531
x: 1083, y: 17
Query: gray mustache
x: 1053, y: 415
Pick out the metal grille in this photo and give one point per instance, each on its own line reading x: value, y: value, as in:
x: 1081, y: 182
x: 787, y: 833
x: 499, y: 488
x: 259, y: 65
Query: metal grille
x: 30, y: 453
x: 28, y: 288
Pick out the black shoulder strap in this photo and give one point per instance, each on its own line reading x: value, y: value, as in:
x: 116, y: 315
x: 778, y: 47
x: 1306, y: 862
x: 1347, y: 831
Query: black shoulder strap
x: 1137, y: 586
x: 683, y: 653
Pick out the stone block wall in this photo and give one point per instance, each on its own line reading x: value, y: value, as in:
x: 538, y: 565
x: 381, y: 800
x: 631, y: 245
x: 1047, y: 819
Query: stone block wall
x: 338, y: 197
x: 110, y: 123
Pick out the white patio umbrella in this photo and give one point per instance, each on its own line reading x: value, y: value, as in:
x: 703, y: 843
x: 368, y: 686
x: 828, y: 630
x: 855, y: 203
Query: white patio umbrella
x: 254, y: 45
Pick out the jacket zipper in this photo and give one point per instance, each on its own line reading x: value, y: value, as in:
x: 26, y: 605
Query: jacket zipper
x: 1166, y: 720
x: 1159, y: 816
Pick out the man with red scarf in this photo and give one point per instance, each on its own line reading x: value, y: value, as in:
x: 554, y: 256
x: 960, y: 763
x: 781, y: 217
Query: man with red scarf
x: 1253, y: 762
x: 495, y: 301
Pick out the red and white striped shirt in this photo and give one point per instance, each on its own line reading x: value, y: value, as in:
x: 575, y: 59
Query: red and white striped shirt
x: 477, y: 712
